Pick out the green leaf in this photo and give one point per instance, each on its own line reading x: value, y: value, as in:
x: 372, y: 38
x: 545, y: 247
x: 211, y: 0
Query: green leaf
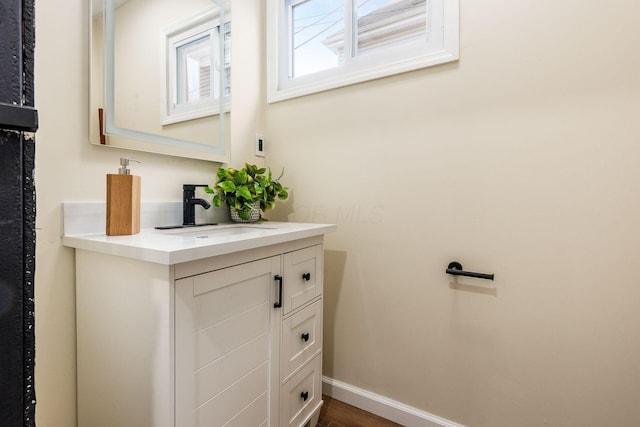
x: 222, y: 173
x: 216, y: 200
x: 243, y: 192
x: 244, y: 213
x: 241, y: 177
x: 283, y: 194
x: 227, y: 186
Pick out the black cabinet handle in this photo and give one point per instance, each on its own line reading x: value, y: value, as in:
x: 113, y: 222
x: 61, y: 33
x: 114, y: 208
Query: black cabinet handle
x: 278, y: 303
x: 305, y: 337
x: 306, y: 276
x: 304, y: 395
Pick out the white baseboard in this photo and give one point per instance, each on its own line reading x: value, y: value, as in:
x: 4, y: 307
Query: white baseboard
x: 382, y: 406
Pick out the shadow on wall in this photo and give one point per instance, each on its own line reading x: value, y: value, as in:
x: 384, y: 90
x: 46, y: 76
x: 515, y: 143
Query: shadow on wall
x: 457, y: 284
x: 334, y: 266
x: 283, y: 209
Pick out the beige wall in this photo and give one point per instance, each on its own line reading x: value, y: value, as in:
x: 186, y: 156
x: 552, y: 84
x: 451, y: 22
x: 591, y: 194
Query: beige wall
x: 521, y: 159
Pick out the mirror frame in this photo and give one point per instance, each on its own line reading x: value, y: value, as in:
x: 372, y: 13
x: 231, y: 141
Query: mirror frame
x: 121, y: 137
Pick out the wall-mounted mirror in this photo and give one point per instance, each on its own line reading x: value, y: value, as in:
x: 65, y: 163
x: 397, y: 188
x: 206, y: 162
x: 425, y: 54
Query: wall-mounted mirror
x: 160, y: 76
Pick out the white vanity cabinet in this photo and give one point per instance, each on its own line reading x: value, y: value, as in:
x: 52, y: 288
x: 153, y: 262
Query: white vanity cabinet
x: 208, y: 342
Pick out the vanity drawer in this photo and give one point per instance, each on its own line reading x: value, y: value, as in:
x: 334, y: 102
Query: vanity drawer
x: 303, y: 277
x: 301, y: 338
x: 301, y: 396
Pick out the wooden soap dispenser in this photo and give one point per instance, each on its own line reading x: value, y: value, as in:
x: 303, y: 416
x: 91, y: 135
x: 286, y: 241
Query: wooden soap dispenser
x: 123, y: 201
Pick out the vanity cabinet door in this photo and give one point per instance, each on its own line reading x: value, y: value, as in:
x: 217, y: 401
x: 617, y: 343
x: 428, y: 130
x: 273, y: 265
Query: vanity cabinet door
x: 224, y: 322
x: 303, y: 277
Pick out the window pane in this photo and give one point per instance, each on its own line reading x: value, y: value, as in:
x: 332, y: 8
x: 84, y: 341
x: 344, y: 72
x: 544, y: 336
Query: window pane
x: 194, y: 70
x: 227, y: 58
x: 317, y: 37
x: 383, y: 23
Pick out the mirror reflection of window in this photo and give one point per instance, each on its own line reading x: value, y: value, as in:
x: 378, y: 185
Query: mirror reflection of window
x: 193, y: 50
x: 194, y: 70
x: 227, y: 58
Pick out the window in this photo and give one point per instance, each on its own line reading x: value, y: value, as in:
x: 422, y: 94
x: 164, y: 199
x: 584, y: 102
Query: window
x: 316, y: 45
x: 192, y: 61
x: 193, y: 69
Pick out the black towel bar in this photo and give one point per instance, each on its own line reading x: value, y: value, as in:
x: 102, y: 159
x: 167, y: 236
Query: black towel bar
x: 455, y: 269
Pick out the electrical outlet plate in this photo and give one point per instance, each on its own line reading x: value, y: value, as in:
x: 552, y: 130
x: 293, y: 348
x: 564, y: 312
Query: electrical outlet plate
x: 259, y: 143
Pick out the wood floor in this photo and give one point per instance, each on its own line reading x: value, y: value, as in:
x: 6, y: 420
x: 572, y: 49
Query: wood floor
x: 338, y: 414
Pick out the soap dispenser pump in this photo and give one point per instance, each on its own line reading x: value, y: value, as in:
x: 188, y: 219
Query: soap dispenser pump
x: 123, y: 201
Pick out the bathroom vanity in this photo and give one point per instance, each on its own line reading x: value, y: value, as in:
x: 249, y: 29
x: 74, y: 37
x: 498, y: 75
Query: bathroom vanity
x: 217, y: 325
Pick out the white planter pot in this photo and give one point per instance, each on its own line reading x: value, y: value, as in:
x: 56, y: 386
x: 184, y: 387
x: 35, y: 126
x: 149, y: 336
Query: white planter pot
x: 253, y: 217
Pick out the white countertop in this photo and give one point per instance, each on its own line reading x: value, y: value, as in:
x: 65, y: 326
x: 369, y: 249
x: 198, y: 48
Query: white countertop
x: 85, y: 224
x: 190, y: 244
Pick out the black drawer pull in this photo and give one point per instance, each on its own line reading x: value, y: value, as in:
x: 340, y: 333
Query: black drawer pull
x: 305, y: 337
x: 278, y: 303
x: 304, y: 395
x: 306, y: 276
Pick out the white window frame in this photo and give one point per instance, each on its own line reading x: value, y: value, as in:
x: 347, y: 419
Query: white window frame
x: 205, y: 23
x: 441, y: 46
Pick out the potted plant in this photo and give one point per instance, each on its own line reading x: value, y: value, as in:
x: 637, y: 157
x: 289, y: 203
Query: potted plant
x: 248, y: 191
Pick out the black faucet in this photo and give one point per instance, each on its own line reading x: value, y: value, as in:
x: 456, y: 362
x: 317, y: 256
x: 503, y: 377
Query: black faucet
x: 189, y: 203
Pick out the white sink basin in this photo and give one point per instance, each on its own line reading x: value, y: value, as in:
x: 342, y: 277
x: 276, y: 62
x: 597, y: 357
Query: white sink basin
x: 224, y: 230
